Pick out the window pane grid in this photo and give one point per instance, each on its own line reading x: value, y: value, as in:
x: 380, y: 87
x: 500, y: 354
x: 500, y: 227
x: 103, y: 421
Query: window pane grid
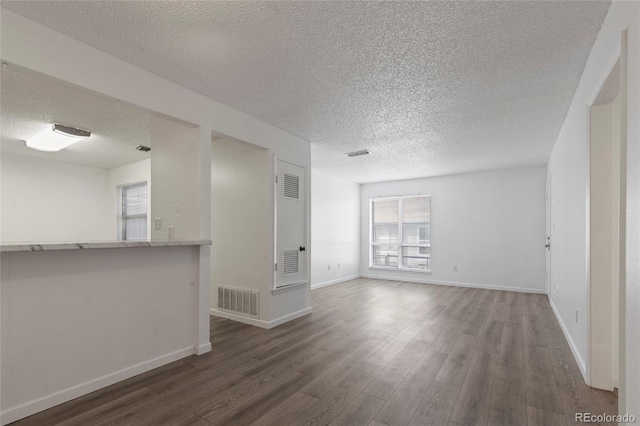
x: 400, y: 234
x: 132, y: 211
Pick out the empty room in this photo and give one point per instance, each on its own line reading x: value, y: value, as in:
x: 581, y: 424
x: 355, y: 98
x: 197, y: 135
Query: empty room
x: 360, y: 213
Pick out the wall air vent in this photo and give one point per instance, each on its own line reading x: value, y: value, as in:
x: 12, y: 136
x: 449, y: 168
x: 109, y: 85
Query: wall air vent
x: 290, y: 260
x: 358, y: 153
x: 239, y: 301
x: 291, y: 186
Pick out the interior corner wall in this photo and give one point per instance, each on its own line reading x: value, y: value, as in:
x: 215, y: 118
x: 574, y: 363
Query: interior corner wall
x: 490, y: 225
x: 240, y: 219
x: 137, y: 172
x: 175, y: 173
x: 569, y: 167
x: 52, y: 201
x: 335, y: 229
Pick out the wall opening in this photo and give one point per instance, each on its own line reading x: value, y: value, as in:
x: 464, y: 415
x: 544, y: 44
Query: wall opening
x: 605, y: 231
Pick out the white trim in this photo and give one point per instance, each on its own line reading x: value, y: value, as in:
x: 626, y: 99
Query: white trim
x: 239, y: 318
x: 260, y: 323
x: 289, y: 287
x: 456, y: 284
x: 401, y: 244
x: 203, y: 349
x: 572, y: 345
x: 289, y: 317
x: 336, y: 281
x: 586, y: 372
x: 43, y: 403
x: 405, y: 269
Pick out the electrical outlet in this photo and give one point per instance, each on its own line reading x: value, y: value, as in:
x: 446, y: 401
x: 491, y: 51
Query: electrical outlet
x: 576, y: 317
x: 158, y: 223
x: 455, y: 269
x: 338, y: 266
x: 328, y: 267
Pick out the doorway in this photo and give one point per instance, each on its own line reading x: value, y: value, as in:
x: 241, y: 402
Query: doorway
x: 547, y: 272
x: 606, y: 230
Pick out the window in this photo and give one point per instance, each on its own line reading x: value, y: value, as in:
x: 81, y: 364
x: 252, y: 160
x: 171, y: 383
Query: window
x: 132, y: 211
x: 400, y: 232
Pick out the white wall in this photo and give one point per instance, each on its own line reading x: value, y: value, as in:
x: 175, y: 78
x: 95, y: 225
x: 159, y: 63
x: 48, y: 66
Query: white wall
x: 335, y: 229
x: 74, y: 321
x: 490, y: 225
x: 240, y: 220
x: 569, y: 166
x: 604, y: 205
x: 52, y: 201
x: 28, y: 44
x: 128, y: 174
x: 34, y: 46
x: 175, y: 173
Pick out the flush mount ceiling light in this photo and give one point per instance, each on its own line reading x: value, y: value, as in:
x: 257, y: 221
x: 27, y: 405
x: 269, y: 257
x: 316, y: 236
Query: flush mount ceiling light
x: 56, y: 138
x: 358, y: 153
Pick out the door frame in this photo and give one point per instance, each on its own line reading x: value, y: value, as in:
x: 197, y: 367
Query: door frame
x: 307, y: 220
x: 617, y: 54
x: 548, y: 274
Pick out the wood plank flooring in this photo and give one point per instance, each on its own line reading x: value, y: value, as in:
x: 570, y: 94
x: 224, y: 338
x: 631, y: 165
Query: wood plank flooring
x: 373, y: 353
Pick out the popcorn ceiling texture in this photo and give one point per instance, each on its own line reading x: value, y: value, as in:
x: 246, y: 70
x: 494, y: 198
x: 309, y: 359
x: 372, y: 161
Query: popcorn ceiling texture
x: 430, y: 88
x: 30, y: 102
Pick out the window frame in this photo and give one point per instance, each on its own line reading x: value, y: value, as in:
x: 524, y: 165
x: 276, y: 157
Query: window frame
x: 121, y: 217
x: 401, y: 244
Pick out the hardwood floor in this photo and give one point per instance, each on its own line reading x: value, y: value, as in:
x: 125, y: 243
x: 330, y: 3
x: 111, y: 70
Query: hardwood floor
x: 377, y: 353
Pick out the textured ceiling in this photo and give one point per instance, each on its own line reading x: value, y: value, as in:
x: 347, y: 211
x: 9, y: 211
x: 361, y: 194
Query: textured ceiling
x: 30, y: 102
x: 430, y: 88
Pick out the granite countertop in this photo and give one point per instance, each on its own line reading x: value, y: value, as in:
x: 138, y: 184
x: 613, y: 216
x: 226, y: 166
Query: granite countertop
x: 17, y: 247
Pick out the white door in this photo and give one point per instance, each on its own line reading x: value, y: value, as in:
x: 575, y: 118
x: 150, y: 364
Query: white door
x: 547, y: 274
x: 291, y: 229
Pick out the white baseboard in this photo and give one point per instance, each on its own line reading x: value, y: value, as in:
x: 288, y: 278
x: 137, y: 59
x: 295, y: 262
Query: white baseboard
x: 287, y: 318
x: 456, y: 284
x: 239, y: 318
x: 27, y: 409
x: 333, y: 282
x: 260, y: 323
x: 574, y: 350
x: 203, y: 349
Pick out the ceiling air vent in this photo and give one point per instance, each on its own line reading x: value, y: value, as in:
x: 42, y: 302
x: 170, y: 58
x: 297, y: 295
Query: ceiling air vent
x: 358, y: 153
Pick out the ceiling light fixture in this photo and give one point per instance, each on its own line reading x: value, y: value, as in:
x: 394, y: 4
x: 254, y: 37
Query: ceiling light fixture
x: 57, y: 137
x: 358, y: 153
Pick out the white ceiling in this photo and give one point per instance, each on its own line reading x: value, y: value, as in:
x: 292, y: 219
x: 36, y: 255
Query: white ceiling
x: 31, y: 102
x: 430, y: 88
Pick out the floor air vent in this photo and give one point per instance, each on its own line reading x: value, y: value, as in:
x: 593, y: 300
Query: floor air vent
x: 239, y: 301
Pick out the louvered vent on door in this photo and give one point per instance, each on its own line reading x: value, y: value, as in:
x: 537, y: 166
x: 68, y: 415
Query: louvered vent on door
x: 291, y: 186
x: 290, y: 262
x: 239, y: 301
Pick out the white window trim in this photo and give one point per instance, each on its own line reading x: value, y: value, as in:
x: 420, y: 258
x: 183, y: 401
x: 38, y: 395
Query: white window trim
x: 400, y: 244
x: 120, y: 217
